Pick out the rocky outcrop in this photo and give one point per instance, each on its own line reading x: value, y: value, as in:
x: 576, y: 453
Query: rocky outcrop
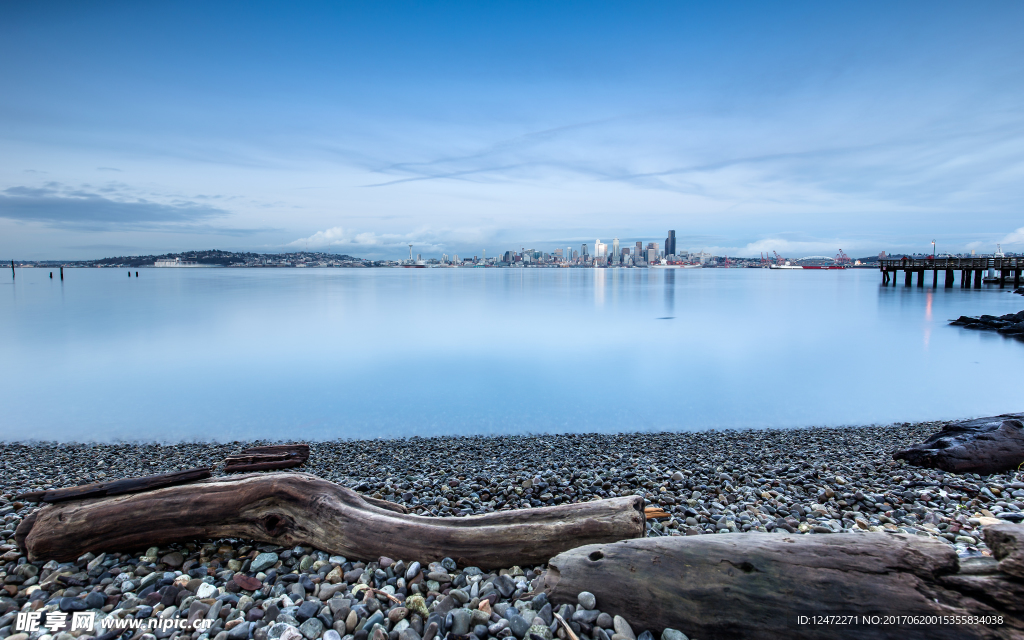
x: 984, y: 445
x: 1010, y: 324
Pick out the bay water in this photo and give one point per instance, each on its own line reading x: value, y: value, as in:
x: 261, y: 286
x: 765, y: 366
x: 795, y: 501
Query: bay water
x: 312, y: 354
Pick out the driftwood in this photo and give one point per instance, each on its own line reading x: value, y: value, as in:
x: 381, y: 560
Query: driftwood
x: 755, y: 585
x: 985, y: 445
x: 280, y: 456
x: 116, y: 487
x: 296, y: 508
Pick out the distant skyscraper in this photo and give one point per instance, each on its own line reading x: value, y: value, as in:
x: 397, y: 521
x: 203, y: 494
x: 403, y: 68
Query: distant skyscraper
x: 615, y: 247
x: 584, y: 252
x: 670, y: 243
x: 639, y: 248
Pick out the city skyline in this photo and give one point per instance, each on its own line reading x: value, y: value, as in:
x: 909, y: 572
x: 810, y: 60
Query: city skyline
x: 748, y: 128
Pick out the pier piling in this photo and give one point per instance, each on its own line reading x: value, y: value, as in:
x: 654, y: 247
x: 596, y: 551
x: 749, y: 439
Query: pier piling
x: 12, y: 270
x: 62, y: 274
x: 972, y: 270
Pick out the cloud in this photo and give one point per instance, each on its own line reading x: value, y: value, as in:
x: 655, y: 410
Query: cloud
x: 58, y: 205
x: 108, y: 169
x: 1016, y: 237
x: 347, y: 238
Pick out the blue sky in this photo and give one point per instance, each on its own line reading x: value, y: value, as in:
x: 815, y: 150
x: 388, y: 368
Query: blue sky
x: 458, y: 127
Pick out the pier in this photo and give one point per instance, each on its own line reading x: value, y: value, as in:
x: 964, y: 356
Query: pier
x: 971, y: 270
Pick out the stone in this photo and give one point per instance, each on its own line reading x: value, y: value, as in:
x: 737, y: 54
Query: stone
x: 541, y: 631
x: 589, y: 616
x: 408, y: 634
x: 412, y: 571
x: 240, y: 632
x: 519, y: 625
x: 331, y: 634
x: 173, y: 559
x: 505, y: 585
x: 678, y: 476
x: 672, y: 634
x: 263, y: 561
x: 206, y: 590
x: 95, y: 600
x: 398, y: 613
x: 458, y: 621
x: 417, y: 604
x: 246, y: 582
x: 645, y: 635
x: 311, y: 629
x: 278, y: 629
x: 587, y: 600
x: 307, y: 610
x: 604, y: 620
x: 622, y: 628
x: 72, y: 604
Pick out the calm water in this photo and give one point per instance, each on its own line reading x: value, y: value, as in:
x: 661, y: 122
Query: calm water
x: 294, y: 353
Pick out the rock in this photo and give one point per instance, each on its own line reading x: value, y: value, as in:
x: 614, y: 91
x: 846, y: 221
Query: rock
x: 604, y: 621
x: 678, y: 476
x: 396, y: 614
x: 417, y: 604
x: 68, y: 605
x: 278, y: 629
x: 458, y: 621
x: 307, y: 610
x: 311, y: 629
x: 246, y: 582
x: 173, y: 559
x: 412, y: 571
x: 505, y: 585
x: 331, y: 634
x: 206, y: 590
x: 645, y: 635
x: 519, y: 625
x: 540, y: 631
x: 587, y: 600
x: 240, y: 632
x: 406, y: 634
x: 672, y: 634
x: 590, y: 616
x: 263, y: 561
x: 622, y: 628
x: 95, y: 600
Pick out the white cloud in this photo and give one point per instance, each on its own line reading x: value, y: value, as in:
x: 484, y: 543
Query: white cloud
x: 1016, y: 237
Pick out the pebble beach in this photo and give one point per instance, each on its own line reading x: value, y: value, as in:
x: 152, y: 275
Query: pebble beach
x: 813, y: 481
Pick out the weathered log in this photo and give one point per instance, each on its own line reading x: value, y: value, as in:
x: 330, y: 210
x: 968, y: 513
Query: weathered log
x: 296, y: 508
x: 280, y: 456
x: 756, y: 585
x: 1007, y: 544
x: 117, y: 487
x: 985, y: 445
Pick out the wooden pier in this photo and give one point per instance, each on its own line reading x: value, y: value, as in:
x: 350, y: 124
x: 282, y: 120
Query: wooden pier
x: 971, y: 270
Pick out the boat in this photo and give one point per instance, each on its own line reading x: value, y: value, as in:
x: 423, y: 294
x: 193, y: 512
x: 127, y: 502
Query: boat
x: 177, y: 262
x: 675, y: 265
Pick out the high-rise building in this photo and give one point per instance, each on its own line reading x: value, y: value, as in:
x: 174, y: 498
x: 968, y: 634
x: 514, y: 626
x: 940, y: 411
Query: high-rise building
x: 600, y: 249
x: 584, y: 252
x: 639, y: 248
x: 615, y: 247
x: 670, y: 243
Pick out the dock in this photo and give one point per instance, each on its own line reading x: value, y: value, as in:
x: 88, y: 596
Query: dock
x: 971, y: 270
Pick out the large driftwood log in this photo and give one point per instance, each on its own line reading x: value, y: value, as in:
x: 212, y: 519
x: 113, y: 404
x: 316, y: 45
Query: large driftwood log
x: 116, y: 487
x: 756, y: 585
x: 985, y: 445
x: 278, y: 456
x: 296, y: 508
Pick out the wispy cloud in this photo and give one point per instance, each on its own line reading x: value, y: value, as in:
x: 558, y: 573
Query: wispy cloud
x: 58, y: 205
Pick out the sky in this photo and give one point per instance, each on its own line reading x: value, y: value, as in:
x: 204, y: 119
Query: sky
x: 360, y: 128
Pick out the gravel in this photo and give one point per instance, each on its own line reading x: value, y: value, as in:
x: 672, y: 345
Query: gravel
x: 814, y: 480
